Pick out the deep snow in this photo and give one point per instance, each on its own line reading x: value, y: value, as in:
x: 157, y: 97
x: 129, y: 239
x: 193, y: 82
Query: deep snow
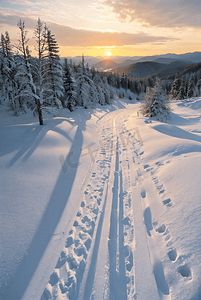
x: 101, y: 204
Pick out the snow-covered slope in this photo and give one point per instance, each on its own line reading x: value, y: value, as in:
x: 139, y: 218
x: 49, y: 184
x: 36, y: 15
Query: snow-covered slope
x: 101, y: 204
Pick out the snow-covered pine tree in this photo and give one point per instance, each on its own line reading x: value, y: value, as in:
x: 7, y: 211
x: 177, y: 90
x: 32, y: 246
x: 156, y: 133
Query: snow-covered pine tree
x: 83, y: 92
x: 106, y: 90
x: 69, y: 87
x: 8, y: 70
x: 191, y: 87
x: 154, y: 103
x: 198, y: 88
x: 181, y: 94
x: 99, y: 87
x: 39, y: 68
x: 26, y: 86
x: 111, y: 80
x: 175, y: 88
x: 52, y: 72
x: 118, y: 82
x: 83, y: 88
x: 93, y: 93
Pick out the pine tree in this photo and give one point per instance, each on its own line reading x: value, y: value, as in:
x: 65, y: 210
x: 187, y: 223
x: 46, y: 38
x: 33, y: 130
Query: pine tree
x: 26, y: 86
x: 8, y: 70
x: 69, y: 98
x: 198, y: 88
x: 154, y: 105
x: 181, y: 94
x: 39, y: 69
x: 175, y: 88
x: 99, y: 87
x: 83, y: 91
x: 52, y: 72
x: 191, y: 87
x: 111, y: 80
x: 106, y: 90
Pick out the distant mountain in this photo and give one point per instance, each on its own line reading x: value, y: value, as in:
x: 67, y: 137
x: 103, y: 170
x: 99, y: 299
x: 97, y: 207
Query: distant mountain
x: 90, y: 60
x: 188, y: 70
x: 106, y: 64
x: 141, y: 69
x: 152, y: 69
x: 167, y: 60
x: 194, y: 57
x: 127, y: 62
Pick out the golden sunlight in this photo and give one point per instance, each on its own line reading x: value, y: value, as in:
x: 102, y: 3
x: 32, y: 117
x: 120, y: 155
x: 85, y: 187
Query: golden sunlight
x: 108, y: 53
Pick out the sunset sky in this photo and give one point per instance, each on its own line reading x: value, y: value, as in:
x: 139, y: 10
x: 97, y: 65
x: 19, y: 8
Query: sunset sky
x: 121, y: 27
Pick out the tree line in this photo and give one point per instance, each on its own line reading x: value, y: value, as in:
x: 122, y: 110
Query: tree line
x: 44, y: 84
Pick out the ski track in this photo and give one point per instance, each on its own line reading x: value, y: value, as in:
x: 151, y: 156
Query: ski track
x: 112, y: 244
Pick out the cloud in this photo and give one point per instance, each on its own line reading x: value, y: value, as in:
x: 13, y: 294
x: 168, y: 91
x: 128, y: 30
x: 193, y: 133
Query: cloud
x: 12, y: 20
x: 28, y: 3
x: 68, y: 36
x: 159, y: 13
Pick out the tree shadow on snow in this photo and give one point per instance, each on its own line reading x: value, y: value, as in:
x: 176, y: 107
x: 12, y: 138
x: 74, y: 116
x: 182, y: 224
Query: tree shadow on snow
x: 28, y: 140
x: 50, y: 219
x: 177, y: 132
x: 178, y: 120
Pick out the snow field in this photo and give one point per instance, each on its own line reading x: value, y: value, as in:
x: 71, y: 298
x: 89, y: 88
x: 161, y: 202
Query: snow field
x: 130, y: 228
x: 109, y: 271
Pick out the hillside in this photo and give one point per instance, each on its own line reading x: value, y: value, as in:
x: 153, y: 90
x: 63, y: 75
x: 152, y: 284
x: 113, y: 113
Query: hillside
x: 170, y: 71
x: 188, y: 70
x: 106, y: 64
x: 152, y: 69
x: 194, y: 57
x: 169, y: 74
x: 140, y: 69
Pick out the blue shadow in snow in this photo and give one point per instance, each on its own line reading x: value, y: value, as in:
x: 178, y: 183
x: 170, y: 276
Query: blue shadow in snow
x: 177, y: 132
x: 148, y: 220
x: 46, y: 227
x: 160, y: 278
x: 28, y: 140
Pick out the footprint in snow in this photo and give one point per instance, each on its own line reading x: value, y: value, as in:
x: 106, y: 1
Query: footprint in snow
x: 172, y: 254
x: 143, y: 193
x: 167, y: 202
x: 158, y: 163
x: 54, y: 277
x: 161, y: 229
x: 86, y: 219
x: 80, y: 249
x: 184, y: 270
x: 82, y: 204
x: 69, y: 242
x: 79, y: 213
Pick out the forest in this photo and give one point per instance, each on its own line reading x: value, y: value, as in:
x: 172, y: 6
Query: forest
x: 44, y: 83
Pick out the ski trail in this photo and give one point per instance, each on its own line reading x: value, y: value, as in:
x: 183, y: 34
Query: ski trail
x: 149, y: 235
x: 105, y: 276
x: 110, y: 252
x: 73, y: 270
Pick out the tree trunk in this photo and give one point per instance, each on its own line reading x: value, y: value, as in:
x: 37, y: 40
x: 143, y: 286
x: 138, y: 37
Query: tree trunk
x: 40, y: 116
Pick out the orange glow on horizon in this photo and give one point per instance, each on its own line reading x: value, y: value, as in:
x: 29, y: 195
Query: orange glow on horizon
x: 108, y: 53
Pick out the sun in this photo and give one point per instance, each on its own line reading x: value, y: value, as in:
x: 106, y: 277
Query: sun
x: 108, y: 53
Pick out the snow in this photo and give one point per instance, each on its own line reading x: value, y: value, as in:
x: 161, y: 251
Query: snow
x: 101, y: 204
